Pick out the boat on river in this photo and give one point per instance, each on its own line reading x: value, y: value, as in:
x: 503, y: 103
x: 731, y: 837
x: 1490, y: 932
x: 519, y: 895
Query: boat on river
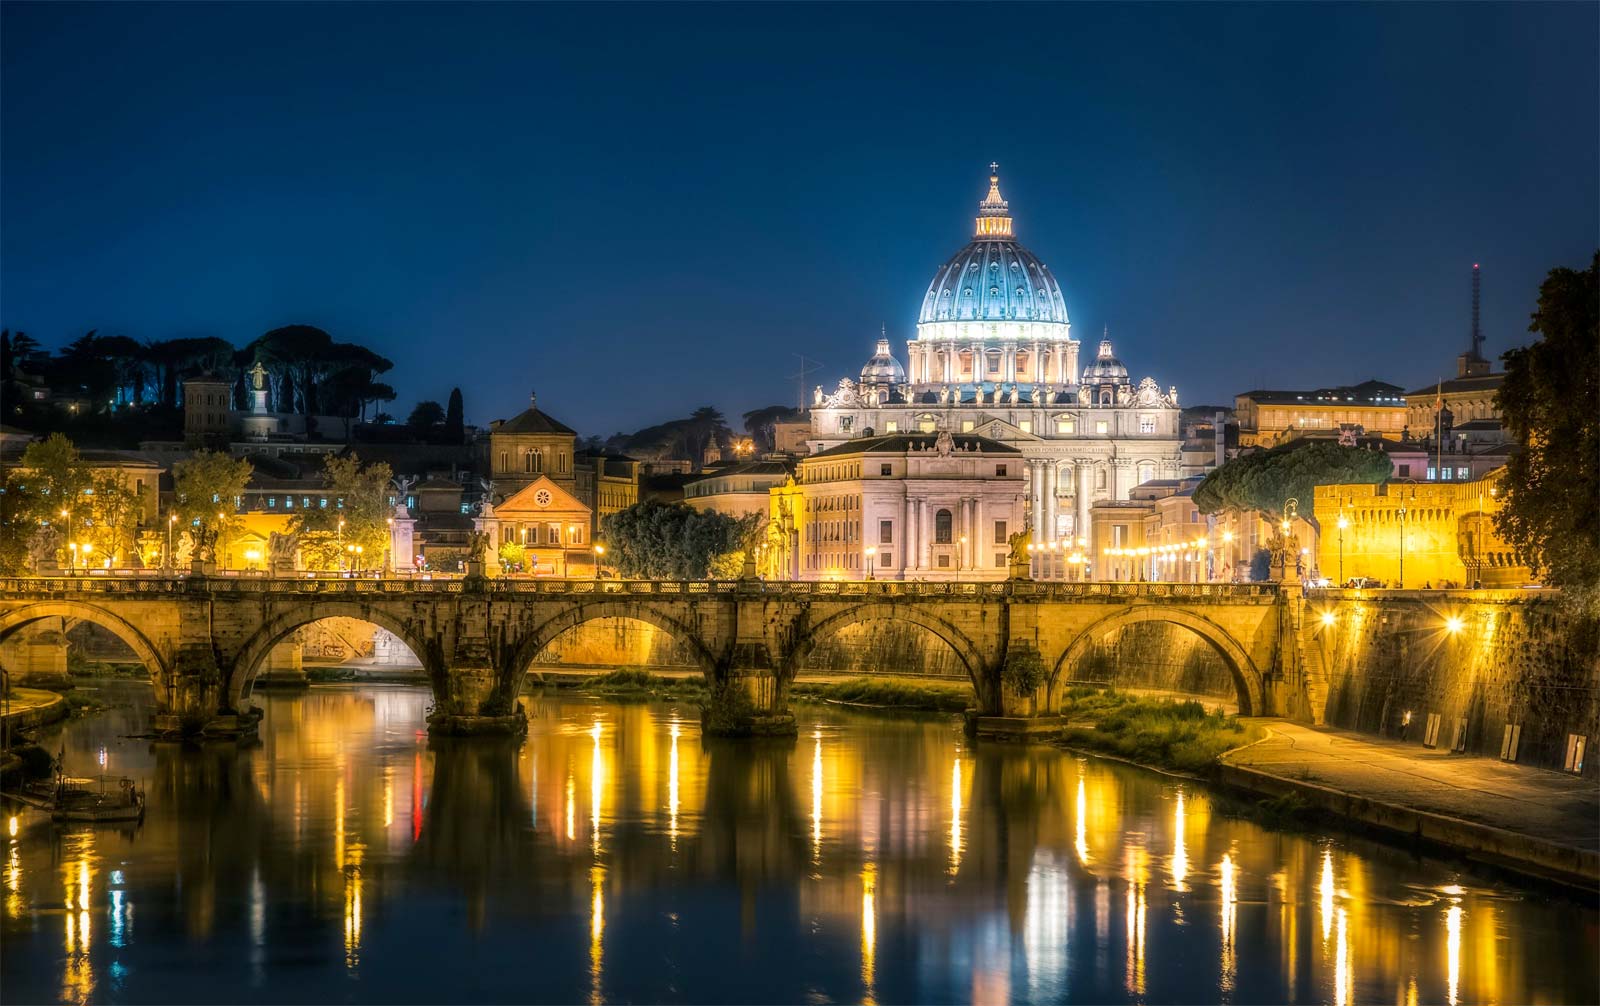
x: 103, y: 799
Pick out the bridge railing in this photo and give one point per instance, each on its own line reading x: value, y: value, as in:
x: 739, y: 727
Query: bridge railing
x: 301, y: 584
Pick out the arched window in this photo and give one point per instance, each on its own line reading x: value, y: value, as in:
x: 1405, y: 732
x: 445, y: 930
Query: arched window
x: 943, y: 532
x: 1147, y: 471
x: 527, y: 461
x: 538, y: 460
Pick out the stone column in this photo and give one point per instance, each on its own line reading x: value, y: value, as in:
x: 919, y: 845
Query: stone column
x: 1081, y: 528
x: 1011, y: 362
x: 1035, y: 374
x: 980, y: 536
x: 907, y: 540
x: 977, y: 363
x: 1050, y: 501
x: 1036, y: 499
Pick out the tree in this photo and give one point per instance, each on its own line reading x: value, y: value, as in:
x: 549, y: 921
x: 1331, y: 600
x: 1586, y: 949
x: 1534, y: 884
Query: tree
x: 54, y: 500
x: 206, y: 487
x: 761, y: 424
x: 425, y: 419
x: 1550, y: 403
x: 455, y: 426
x: 669, y: 541
x: 359, y: 498
x: 1265, y: 479
x: 512, y: 554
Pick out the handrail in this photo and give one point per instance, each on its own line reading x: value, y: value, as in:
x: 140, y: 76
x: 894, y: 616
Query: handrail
x: 142, y: 582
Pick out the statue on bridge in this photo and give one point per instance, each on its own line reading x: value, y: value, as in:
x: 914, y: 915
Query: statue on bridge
x: 282, y: 552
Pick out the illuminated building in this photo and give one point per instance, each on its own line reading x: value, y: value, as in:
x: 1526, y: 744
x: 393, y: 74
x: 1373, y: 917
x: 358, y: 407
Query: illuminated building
x: 736, y: 490
x: 994, y: 356
x: 913, y: 506
x: 1269, y: 418
x: 1446, y: 531
x: 534, y: 445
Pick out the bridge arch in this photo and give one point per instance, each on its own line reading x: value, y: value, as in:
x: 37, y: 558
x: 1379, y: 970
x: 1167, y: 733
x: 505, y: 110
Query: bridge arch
x: 1247, y: 678
x: 546, y: 632
x: 966, y: 650
x: 253, y: 654
x: 19, y: 618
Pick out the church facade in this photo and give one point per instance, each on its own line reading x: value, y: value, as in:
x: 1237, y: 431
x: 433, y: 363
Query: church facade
x: 994, y: 356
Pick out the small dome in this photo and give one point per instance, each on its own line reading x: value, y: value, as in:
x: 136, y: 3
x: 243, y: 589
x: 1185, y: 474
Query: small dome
x: 883, y: 368
x: 1106, y: 368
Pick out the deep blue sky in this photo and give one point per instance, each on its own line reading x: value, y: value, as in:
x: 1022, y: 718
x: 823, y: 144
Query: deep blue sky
x: 639, y: 210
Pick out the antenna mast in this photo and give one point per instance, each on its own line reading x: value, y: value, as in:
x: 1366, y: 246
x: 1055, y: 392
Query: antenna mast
x: 1477, y: 332
x: 806, y: 367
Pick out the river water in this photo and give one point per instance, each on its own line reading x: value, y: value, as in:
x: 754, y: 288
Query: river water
x: 617, y: 856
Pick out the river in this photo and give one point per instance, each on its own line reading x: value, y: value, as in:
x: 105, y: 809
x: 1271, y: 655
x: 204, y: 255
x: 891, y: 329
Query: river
x: 617, y: 856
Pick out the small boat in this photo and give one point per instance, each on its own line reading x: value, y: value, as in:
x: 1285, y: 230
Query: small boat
x: 96, y: 800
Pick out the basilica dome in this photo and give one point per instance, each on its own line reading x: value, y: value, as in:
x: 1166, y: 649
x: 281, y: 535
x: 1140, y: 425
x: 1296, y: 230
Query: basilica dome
x: 1106, y: 368
x: 883, y: 368
x: 993, y: 278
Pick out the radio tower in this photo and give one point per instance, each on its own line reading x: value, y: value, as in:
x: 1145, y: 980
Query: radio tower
x: 1471, y: 363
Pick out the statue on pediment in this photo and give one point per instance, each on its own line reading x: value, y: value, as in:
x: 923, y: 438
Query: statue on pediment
x: 944, y: 444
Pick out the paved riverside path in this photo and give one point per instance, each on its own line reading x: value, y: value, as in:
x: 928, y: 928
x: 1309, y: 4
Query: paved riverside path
x: 1553, y: 807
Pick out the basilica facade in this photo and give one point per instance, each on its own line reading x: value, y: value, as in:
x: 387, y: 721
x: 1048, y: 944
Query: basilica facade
x: 994, y: 356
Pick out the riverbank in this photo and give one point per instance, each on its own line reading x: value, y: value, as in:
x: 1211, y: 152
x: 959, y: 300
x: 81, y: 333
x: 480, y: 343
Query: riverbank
x: 1181, y: 736
x: 27, y: 708
x: 870, y: 693
x: 1527, y: 819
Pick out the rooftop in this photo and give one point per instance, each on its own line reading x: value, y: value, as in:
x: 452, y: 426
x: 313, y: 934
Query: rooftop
x: 901, y: 443
x: 1368, y: 392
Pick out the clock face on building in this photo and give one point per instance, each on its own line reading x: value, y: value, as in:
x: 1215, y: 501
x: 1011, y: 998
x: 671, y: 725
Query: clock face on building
x: 542, y: 497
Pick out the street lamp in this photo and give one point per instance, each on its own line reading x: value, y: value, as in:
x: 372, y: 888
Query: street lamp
x: 388, y: 547
x: 340, y: 543
x: 871, y: 552
x: 599, y: 554
x: 960, y: 553
x: 72, y: 562
x: 1342, y: 525
x: 171, y: 520
x: 220, y: 547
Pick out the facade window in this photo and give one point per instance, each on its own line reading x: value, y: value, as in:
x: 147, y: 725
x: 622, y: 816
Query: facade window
x: 1405, y: 471
x: 1000, y: 536
x: 926, y: 424
x: 999, y: 471
x: 999, y: 560
x: 885, y: 532
x: 505, y: 461
x: 288, y: 502
x: 1101, y: 426
x: 552, y: 534
x: 966, y: 426
x: 944, y: 562
x: 846, y: 423
x: 272, y: 501
x: 943, y: 525
x: 322, y: 504
x: 885, y: 559
x: 1100, y: 478
x: 891, y: 426
x: 886, y: 470
x: 1147, y: 424
x: 1432, y: 473
x: 1461, y: 473
x: 1026, y: 426
x: 1066, y: 426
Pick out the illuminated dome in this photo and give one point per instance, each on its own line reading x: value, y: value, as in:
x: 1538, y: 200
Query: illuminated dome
x: 994, y: 279
x: 883, y: 368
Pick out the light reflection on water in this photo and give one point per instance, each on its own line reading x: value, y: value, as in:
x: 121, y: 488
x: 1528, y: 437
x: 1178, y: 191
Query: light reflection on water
x: 620, y: 856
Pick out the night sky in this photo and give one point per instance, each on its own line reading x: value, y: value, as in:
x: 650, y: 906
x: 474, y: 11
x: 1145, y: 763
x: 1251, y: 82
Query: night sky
x: 643, y: 210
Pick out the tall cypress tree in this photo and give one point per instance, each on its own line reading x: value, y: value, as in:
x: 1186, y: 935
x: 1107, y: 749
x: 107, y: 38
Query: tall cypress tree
x: 454, y: 425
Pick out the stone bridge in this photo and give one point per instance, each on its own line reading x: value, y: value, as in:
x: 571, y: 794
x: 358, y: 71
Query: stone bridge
x: 206, y: 639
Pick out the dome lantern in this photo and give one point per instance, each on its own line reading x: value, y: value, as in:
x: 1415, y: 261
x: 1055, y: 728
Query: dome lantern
x: 994, y: 213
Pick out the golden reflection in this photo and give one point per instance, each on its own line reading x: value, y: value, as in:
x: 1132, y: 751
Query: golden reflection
x: 955, y: 816
x: 388, y: 795
x: 1327, y: 895
x: 672, y: 788
x: 1452, y: 929
x: 1341, y: 966
x: 816, y: 795
x: 1230, y: 900
x: 338, y: 821
x: 14, y: 879
x: 597, y: 929
x: 1180, y: 855
x: 77, y: 975
x: 1082, y: 843
x: 12, y: 826
x: 572, y: 798
x: 352, y: 910
x: 869, y: 932
x: 1137, y: 876
x: 416, y: 796
x: 597, y: 773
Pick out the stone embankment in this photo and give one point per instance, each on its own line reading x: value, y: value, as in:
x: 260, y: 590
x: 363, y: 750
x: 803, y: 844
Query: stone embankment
x: 27, y: 708
x: 1528, y: 819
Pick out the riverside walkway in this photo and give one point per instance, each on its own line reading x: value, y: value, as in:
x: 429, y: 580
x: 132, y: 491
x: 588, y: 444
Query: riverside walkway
x: 1527, y: 817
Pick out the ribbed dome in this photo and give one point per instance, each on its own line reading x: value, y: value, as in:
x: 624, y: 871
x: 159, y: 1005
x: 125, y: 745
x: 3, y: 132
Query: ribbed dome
x: 883, y: 368
x: 993, y: 278
x: 1106, y: 367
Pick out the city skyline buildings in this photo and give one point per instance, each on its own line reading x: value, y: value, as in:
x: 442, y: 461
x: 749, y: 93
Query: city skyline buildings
x: 1234, y: 226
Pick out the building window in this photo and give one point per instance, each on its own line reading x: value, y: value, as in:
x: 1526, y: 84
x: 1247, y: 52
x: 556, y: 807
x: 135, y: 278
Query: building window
x: 1000, y: 536
x: 1433, y: 473
x: 999, y: 471
x: 846, y: 423
x: 966, y: 426
x: 999, y: 560
x: 272, y: 501
x: 1147, y: 424
x: 1101, y: 426
x: 926, y: 424
x: 1405, y: 471
x: 885, y: 532
x: 943, y: 524
x: 1066, y: 426
x: 885, y: 559
x: 1100, y: 478
x: 1461, y: 473
x: 886, y: 470
x: 505, y: 461
x: 944, y: 562
x: 1026, y: 426
x: 891, y: 426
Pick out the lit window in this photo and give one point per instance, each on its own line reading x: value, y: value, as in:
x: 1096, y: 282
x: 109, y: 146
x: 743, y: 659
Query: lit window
x: 1101, y: 426
x: 999, y: 471
x: 966, y: 426
x: 1026, y: 426
x: 1066, y: 426
x: 892, y: 426
x: 886, y: 470
x: 1147, y: 424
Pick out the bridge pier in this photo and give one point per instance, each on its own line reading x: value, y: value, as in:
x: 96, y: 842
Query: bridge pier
x: 471, y: 698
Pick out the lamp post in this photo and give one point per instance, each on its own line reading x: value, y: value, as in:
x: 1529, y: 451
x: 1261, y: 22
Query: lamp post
x: 1342, y: 525
x: 220, y: 547
x: 599, y: 554
x: 961, y: 553
x: 360, y: 562
x: 171, y: 520
x: 66, y: 523
x: 388, y: 547
x: 1400, y: 584
x: 872, y: 552
x: 72, y: 549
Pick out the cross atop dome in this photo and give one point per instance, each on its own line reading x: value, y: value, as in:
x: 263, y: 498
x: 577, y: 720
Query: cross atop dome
x: 994, y: 213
